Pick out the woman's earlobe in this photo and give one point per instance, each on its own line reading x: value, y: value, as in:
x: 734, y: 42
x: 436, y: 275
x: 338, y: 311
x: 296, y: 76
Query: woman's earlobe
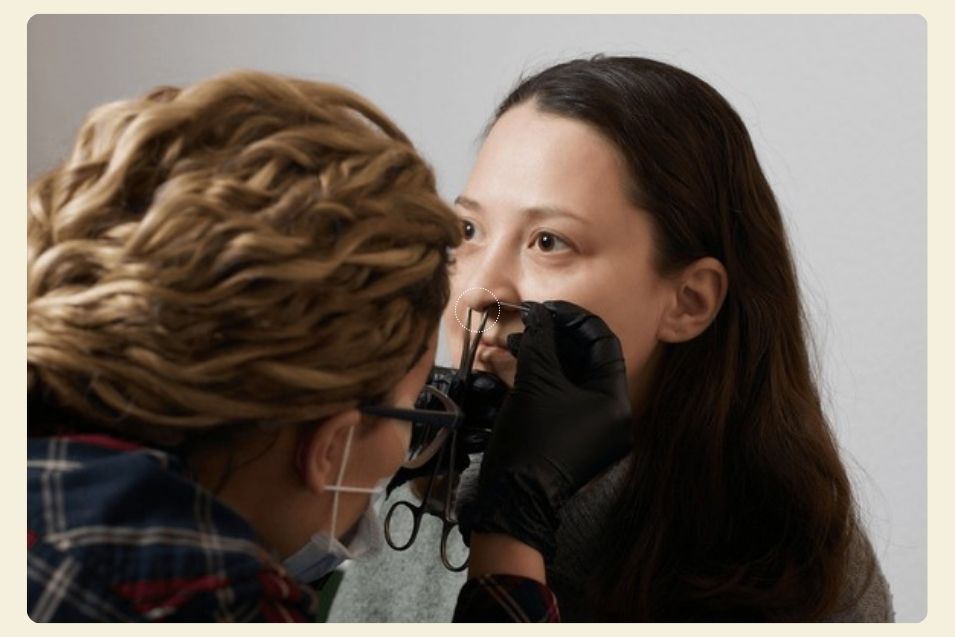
x: 698, y: 295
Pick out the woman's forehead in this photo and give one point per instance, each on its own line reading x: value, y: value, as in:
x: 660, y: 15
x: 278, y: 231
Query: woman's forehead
x: 534, y: 160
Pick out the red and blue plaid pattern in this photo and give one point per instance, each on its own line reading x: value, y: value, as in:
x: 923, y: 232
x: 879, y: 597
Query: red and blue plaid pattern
x: 505, y: 598
x: 118, y: 532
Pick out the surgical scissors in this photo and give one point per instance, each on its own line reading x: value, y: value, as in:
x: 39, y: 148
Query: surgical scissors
x: 450, y: 419
x: 448, y: 519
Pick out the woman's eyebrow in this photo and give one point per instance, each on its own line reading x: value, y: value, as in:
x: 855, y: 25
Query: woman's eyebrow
x: 552, y: 211
x: 470, y: 204
x: 532, y: 211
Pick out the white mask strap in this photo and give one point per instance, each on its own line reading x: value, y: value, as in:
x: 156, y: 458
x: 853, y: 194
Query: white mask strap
x: 341, y: 476
x: 355, y: 489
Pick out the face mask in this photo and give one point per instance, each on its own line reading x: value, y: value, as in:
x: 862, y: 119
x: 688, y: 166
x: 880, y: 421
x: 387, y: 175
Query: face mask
x: 324, y: 553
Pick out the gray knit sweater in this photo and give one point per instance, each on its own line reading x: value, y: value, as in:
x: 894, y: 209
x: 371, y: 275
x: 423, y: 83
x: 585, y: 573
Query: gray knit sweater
x: 413, y: 586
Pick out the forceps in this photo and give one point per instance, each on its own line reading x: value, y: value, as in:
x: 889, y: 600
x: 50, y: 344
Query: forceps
x: 450, y: 422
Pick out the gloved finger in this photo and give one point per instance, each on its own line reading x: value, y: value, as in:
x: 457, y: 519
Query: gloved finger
x: 579, y: 322
x: 514, y: 343
x: 537, y: 357
x: 538, y: 344
x: 530, y: 315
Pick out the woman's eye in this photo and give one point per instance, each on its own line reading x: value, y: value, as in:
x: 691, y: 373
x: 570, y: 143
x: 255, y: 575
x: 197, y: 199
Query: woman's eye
x: 548, y: 242
x: 469, y: 230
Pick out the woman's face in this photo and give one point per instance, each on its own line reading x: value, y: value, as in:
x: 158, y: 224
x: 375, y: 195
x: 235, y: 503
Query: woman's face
x: 546, y: 217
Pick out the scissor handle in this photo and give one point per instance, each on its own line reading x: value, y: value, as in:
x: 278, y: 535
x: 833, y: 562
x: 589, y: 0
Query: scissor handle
x: 448, y: 519
x: 446, y: 528
x: 416, y: 514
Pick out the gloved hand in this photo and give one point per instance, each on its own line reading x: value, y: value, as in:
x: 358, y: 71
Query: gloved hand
x: 566, y: 420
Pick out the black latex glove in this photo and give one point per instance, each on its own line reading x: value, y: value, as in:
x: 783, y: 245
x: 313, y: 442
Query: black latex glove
x: 566, y: 420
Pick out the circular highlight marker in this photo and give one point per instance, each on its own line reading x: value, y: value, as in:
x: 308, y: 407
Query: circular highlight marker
x: 458, y: 300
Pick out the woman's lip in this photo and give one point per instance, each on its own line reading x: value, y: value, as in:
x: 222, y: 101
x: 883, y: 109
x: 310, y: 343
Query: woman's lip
x: 498, y: 361
x: 495, y: 353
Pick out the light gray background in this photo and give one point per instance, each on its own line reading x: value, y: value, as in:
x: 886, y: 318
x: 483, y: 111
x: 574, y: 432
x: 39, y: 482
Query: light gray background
x: 836, y: 106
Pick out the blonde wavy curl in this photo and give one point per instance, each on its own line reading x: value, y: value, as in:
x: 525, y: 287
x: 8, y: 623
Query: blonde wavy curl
x: 252, y: 248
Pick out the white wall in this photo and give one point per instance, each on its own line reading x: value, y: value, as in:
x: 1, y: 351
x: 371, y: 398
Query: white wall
x: 836, y: 106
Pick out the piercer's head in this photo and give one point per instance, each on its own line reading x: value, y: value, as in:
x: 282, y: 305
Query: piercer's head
x: 249, y: 255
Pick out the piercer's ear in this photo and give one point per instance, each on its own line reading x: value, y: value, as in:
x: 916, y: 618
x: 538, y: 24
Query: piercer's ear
x: 320, y: 453
x: 698, y: 294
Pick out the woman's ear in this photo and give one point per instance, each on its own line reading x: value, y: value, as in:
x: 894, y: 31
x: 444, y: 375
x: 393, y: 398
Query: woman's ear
x: 320, y: 453
x: 698, y: 295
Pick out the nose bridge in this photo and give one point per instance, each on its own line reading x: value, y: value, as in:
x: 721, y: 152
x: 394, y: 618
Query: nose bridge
x: 494, y: 275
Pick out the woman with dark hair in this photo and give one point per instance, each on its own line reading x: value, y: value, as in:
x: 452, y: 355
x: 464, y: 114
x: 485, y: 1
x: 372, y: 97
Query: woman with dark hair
x: 632, y: 188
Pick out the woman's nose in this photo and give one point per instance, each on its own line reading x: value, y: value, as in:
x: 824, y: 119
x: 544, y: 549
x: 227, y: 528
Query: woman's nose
x: 483, y: 291
x: 487, y: 284
x: 479, y: 299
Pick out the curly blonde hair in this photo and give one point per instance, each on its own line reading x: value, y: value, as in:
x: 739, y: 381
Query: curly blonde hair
x: 252, y: 248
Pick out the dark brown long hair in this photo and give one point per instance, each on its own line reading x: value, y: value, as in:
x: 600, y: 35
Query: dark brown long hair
x: 737, y: 506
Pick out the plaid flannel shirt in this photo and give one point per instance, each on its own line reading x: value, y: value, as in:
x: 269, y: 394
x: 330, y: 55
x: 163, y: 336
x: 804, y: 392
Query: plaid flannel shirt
x: 118, y: 532
x: 505, y: 598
